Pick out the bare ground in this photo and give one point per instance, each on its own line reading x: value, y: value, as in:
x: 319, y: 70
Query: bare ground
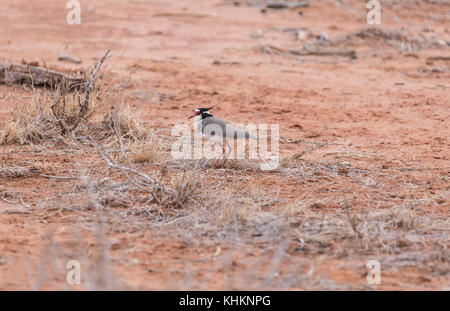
x: 365, y: 155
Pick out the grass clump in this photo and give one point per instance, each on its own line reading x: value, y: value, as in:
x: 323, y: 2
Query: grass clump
x: 30, y: 123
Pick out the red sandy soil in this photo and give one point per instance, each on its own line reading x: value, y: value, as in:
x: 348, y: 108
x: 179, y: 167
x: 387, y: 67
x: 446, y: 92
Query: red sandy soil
x: 388, y: 107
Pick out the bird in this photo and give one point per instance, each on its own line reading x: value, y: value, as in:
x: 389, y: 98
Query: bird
x: 218, y: 130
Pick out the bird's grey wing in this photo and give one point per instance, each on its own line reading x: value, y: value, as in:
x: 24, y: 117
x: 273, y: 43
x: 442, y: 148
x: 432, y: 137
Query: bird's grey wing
x: 229, y: 129
x: 225, y: 127
x: 212, y: 125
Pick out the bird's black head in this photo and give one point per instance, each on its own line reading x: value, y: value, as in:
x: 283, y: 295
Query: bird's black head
x: 199, y: 111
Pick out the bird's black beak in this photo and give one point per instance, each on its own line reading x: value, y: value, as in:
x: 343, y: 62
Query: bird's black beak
x: 191, y: 117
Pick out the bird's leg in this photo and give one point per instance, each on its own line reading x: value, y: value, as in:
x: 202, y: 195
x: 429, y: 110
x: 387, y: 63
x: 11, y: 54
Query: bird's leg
x: 226, y: 157
x: 215, y: 163
x: 223, y: 153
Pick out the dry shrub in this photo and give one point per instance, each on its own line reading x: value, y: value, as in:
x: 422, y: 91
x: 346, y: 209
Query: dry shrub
x: 40, y: 120
x: 82, y: 99
x: 178, y: 191
x: 68, y: 107
x: 50, y: 114
x: 59, y: 111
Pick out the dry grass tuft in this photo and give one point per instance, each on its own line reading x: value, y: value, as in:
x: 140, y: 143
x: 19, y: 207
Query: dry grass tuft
x: 146, y: 151
x: 31, y: 123
x: 124, y: 131
x: 125, y: 124
x: 240, y: 210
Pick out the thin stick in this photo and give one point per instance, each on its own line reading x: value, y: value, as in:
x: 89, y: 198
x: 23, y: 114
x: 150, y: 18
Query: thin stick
x: 90, y: 84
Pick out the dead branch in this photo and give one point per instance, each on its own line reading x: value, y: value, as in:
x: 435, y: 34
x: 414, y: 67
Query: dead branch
x: 287, y: 5
x: 320, y: 51
x: 310, y: 51
x: 68, y: 58
x: 36, y: 76
x: 296, y: 141
x: 125, y: 168
x: 57, y: 177
x: 90, y: 84
x: 430, y: 60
